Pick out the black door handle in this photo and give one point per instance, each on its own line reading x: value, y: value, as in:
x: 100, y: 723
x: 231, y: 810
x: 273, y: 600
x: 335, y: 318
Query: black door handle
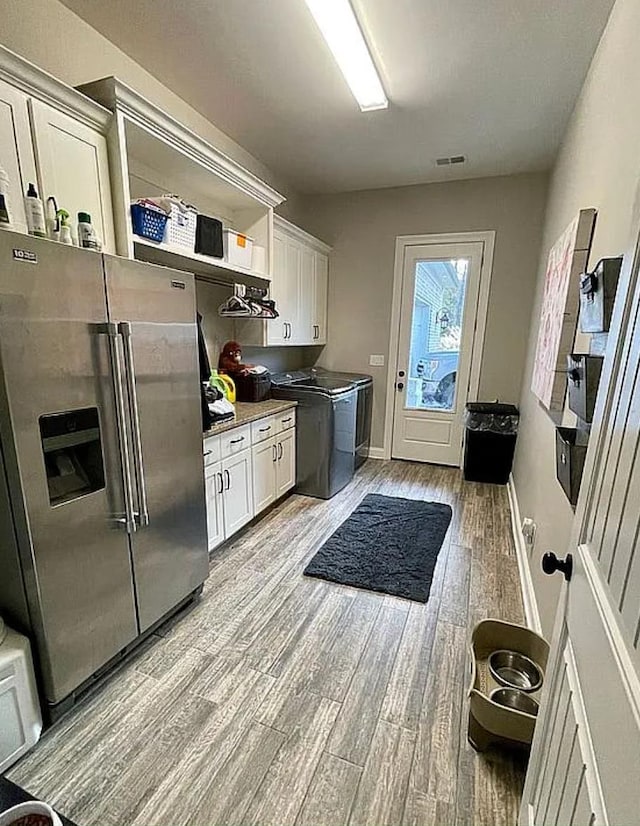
x: 399, y: 386
x: 228, y: 477
x: 401, y: 374
x: 551, y: 564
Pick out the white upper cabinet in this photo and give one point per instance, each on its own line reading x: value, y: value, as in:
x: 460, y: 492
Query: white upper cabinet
x: 320, y: 297
x: 305, y: 331
x: 298, y: 286
x: 74, y: 168
x: 16, y: 150
x: 55, y: 137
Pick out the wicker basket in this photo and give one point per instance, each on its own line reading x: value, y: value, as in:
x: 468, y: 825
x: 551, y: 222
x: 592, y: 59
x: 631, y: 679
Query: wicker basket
x: 181, y: 226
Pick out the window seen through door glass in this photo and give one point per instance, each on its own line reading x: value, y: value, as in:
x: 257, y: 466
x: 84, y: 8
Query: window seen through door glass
x: 436, y: 331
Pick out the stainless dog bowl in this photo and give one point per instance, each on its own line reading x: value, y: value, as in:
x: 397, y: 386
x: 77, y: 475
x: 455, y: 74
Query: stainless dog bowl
x: 509, y: 668
x: 516, y: 699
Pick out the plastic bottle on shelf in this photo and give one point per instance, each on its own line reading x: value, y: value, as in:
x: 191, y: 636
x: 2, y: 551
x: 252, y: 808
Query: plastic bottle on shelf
x: 5, y: 211
x: 64, y: 232
x: 87, y: 237
x: 35, y: 213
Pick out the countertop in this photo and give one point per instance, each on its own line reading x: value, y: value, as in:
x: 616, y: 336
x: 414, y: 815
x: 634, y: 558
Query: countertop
x: 11, y: 795
x: 250, y: 412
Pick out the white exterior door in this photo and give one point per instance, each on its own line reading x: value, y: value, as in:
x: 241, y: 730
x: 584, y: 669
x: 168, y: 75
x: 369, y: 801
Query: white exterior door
x: 238, y: 491
x: 438, y: 316
x: 585, y: 761
x: 74, y: 168
x: 17, y: 158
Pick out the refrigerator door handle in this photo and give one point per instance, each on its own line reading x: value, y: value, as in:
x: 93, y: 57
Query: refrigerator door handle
x: 142, y: 514
x: 110, y: 329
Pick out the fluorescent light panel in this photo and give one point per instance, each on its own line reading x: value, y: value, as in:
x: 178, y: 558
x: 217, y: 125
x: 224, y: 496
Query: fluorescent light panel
x: 339, y: 26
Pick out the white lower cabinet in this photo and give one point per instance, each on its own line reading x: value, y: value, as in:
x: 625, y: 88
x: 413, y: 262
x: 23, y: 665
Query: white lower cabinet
x: 237, y: 494
x: 239, y: 485
x: 274, y: 468
x: 229, y: 496
x: 215, y: 517
x: 285, y: 445
x: 264, y: 457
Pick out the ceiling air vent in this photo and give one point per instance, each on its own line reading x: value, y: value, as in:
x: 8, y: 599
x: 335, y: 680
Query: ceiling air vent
x: 452, y: 159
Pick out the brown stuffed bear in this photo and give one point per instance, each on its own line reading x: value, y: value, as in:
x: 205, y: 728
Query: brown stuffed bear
x: 230, y: 360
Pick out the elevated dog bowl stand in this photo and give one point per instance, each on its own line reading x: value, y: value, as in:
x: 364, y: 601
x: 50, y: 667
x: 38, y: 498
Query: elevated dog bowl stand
x: 492, y: 724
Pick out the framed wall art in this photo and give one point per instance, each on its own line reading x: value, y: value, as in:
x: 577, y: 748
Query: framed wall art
x: 568, y: 258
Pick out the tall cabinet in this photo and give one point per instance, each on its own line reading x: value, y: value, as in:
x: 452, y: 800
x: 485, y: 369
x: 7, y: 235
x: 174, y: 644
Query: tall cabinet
x: 299, y: 286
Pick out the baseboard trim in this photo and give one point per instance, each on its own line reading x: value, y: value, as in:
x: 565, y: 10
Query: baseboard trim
x: 532, y: 615
x: 376, y: 453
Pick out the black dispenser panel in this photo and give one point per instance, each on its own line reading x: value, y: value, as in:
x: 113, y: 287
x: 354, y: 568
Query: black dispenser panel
x: 583, y: 374
x: 72, y: 451
x: 597, y: 295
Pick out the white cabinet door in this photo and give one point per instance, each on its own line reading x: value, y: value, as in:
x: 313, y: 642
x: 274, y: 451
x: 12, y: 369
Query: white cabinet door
x: 215, y: 517
x: 73, y: 167
x: 285, y: 290
x: 277, y: 329
x: 238, y: 492
x: 16, y: 150
x: 305, y: 330
x: 264, y: 457
x: 320, y: 298
x: 286, y: 465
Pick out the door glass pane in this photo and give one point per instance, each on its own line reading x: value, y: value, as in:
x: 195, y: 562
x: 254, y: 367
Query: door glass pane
x: 436, y: 330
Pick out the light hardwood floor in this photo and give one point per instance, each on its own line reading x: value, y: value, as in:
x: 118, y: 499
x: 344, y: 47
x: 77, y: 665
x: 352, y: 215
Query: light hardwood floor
x: 281, y: 699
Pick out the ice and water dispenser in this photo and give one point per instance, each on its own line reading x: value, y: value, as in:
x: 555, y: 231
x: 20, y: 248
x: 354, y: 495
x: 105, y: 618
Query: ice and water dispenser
x: 72, y: 451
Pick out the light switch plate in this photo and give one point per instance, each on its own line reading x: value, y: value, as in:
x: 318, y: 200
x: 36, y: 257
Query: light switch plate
x: 376, y: 361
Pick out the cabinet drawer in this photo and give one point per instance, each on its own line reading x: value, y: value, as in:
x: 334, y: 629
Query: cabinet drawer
x: 263, y: 429
x: 233, y: 441
x: 211, y: 450
x: 286, y: 420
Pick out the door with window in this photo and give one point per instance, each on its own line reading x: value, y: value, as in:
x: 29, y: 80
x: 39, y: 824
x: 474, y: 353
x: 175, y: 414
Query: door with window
x: 438, y: 318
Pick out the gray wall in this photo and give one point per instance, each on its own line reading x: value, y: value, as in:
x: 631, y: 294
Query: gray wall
x: 598, y: 166
x: 362, y: 228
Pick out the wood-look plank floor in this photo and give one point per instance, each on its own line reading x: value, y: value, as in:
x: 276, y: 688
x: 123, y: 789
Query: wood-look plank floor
x: 281, y: 700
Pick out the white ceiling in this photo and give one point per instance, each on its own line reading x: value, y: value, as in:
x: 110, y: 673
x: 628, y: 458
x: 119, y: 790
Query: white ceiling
x: 493, y: 80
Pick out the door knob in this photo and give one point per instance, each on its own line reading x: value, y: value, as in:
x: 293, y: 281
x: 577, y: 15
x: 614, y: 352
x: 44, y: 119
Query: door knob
x: 401, y: 374
x: 551, y: 564
x: 399, y: 386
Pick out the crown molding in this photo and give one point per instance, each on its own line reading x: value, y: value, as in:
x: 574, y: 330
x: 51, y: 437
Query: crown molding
x: 117, y: 96
x: 38, y: 84
x: 300, y: 234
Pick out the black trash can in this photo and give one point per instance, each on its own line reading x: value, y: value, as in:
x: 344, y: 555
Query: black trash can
x: 490, y: 441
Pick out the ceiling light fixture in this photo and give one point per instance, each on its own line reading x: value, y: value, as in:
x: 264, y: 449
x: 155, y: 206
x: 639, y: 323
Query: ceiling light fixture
x: 339, y: 26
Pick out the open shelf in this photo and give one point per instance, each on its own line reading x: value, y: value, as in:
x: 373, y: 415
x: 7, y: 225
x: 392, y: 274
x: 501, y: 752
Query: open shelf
x: 203, y: 267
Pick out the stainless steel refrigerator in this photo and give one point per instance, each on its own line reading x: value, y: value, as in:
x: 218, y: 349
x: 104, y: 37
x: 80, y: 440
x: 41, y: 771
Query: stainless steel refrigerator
x: 102, y: 509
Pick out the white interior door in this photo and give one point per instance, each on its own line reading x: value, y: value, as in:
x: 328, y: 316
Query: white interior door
x: 585, y: 760
x: 438, y: 315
